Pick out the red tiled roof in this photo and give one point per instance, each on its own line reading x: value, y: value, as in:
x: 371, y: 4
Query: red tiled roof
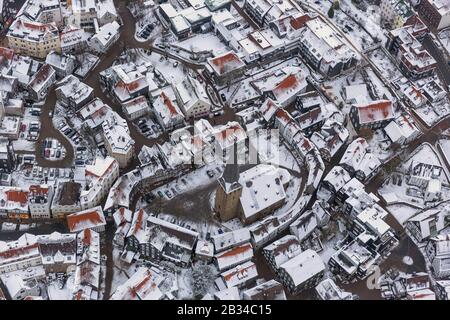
x: 300, y: 21
x: 235, y: 251
x: 6, y: 53
x: 37, y: 189
x: 229, y: 131
x: 17, y: 196
x: 284, y: 115
x: 225, y: 62
x: 168, y: 103
x: 237, y: 272
x: 87, y: 236
x: 139, y: 221
x: 14, y: 252
x: 129, y: 86
x: 376, y: 111
x: 94, y: 217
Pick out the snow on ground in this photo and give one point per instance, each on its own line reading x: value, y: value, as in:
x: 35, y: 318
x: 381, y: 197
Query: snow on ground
x: 184, y: 287
x: 369, y: 19
x: 387, y: 68
x: 203, y: 42
x: 55, y: 293
x: 445, y: 147
x: 402, y: 212
x: 24, y: 145
x: 169, y: 68
x: 242, y: 90
x: 396, y: 184
x: 426, y: 153
x: 444, y: 37
x: 432, y: 114
x: 329, y: 247
x: 189, y: 182
x: 408, y: 197
x: 380, y: 146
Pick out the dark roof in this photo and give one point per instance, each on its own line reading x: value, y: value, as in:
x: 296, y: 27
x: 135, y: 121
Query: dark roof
x: 70, y: 193
x: 231, y: 172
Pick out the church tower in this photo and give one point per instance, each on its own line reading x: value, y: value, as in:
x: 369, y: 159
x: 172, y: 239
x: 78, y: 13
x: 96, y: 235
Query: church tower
x: 228, y: 194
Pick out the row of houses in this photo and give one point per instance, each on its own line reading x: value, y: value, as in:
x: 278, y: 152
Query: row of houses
x: 63, y: 198
x: 42, y: 255
x: 35, y: 31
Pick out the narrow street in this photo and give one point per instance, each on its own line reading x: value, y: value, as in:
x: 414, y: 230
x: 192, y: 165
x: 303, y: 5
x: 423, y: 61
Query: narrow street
x: 443, y: 68
x: 127, y: 40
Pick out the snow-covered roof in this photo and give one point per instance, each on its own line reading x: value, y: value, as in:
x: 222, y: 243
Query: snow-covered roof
x: 122, y: 215
x: 304, y: 225
x: 167, y: 110
x: 234, y: 256
x: 136, y: 105
x: 262, y: 187
x: 240, y: 274
x: 328, y: 290
x: 42, y: 77
x: 373, y: 219
x: 88, y: 246
x: 223, y: 241
x: 226, y: 63
x: 86, y: 219
x: 357, y: 157
x: 375, y: 111
x: 33, y: 31
x: 337, y: 177
x: 268, y: 109
x: 325, y: 43
x: 290, y: 86
x: 117, y: 133
x: 71, y: 36
x: 284, y: 249
x: 138, y: 226
x: 269, y: 290
x: 303, y: 266
x: 61, y: 61
x: 56, y: 248
x: 143, y: 285
x: 106, y: 33
x: 72, y: 88
x: 100, y: 167
x: 21, y: 249
x: 402, y: 127
x: 231, y: 293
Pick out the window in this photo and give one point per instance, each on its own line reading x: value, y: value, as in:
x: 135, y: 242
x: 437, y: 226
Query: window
x: 433, y: 227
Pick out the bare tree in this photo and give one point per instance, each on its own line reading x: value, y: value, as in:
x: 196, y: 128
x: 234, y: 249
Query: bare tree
x: 201, y: 279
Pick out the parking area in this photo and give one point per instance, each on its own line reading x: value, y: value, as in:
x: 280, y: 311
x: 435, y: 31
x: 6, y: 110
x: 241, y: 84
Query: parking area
x: 205, y: 175
x: 144, y: 30
x: 48, y: 174
x: 52, y: 149
x: 82, y: 156
x: 148, y: 127
x: 69, y: 132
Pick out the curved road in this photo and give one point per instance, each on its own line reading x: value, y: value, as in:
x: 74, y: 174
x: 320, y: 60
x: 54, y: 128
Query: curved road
x: 126, y: 40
